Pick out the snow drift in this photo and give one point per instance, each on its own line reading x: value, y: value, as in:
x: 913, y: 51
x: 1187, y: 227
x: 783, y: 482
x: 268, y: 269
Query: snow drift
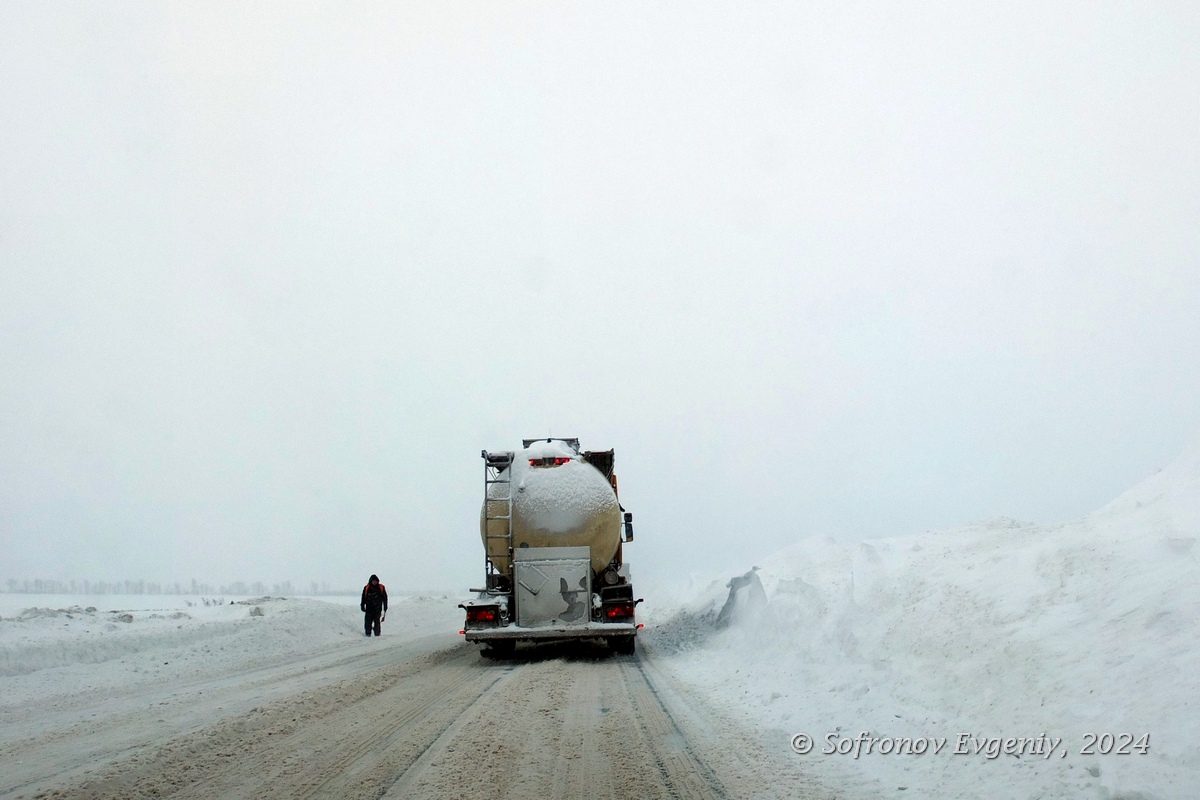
x: 1001, y: 629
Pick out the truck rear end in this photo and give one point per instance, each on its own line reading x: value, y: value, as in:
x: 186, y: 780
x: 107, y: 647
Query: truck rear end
x: 554, y: 533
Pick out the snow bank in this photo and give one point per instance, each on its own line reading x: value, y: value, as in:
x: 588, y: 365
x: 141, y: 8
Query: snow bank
x: 997, y: 630
x: 44, y: 638
x: 51, y: 651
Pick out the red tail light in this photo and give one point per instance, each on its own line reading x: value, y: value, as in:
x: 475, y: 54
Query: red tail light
x: 485, y: 614
x: 548, y: 462
x: 613, y: 612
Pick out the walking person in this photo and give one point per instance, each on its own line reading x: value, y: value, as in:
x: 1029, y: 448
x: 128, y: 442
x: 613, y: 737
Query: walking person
x: 374, y: 605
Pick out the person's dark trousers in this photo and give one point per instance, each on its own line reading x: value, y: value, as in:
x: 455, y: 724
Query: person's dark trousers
x: 371, y: 621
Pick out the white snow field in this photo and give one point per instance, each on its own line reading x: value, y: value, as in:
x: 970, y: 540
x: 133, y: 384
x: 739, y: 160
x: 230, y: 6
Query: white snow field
x: 995, y: 630
x: 92, y: 643
x: 82, y: 685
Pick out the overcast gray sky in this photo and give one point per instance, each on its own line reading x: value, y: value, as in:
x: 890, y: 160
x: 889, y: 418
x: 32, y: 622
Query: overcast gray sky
x: 273, y: 274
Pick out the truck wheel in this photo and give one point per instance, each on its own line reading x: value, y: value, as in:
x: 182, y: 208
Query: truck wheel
x: 499, y: 650
x: 624, y: 646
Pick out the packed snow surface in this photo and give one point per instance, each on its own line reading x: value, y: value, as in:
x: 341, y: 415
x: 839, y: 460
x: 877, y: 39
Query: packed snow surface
x: 89, y: 688
x: 999, y: 631
x: 47, y: 650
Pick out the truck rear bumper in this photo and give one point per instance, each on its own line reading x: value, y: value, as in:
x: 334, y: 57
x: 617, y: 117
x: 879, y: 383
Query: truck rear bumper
x: 515, y: 633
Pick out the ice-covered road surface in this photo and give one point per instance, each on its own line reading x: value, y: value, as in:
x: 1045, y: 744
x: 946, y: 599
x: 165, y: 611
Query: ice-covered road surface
x: 231, y: 706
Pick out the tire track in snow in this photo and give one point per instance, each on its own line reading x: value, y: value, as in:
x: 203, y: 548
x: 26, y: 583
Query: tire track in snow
x: 362, y: 765
x: 550, y: 722
x: 343, y: 740
x: 686, y: 775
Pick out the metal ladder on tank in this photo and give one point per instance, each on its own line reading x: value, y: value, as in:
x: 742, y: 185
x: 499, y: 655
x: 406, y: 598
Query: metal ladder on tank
x: 497, y: 508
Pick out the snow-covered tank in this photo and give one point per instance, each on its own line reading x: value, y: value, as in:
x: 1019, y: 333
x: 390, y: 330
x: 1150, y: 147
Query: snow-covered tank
x: 558, y: 500
x: 553, y: 532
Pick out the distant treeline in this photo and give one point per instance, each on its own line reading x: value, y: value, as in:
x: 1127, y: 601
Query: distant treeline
x: 42, y: 586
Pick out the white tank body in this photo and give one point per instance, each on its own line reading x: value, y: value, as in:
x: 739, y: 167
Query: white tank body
x: 568, y: 504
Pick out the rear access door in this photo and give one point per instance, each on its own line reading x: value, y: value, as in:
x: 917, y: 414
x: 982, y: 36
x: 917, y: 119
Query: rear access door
x: 554, y: 586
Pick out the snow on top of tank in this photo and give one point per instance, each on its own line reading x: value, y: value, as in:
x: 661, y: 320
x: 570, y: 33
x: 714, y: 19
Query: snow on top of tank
x: 559, y: 497
x: 555, y: 448
x: 562, y: 498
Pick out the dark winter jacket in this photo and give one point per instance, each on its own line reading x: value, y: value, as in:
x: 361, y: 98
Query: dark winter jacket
x: 374, y: 598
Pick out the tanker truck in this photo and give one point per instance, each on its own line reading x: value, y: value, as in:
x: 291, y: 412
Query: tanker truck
x: 553, y: 532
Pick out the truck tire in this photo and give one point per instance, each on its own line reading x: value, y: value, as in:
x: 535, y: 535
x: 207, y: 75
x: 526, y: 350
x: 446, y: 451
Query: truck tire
x: 625, y: 646
x: 499, y: 650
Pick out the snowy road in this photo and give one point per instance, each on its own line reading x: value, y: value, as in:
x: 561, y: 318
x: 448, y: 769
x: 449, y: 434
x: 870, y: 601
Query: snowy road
x: 401, y: 718
x: 992, y: 631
